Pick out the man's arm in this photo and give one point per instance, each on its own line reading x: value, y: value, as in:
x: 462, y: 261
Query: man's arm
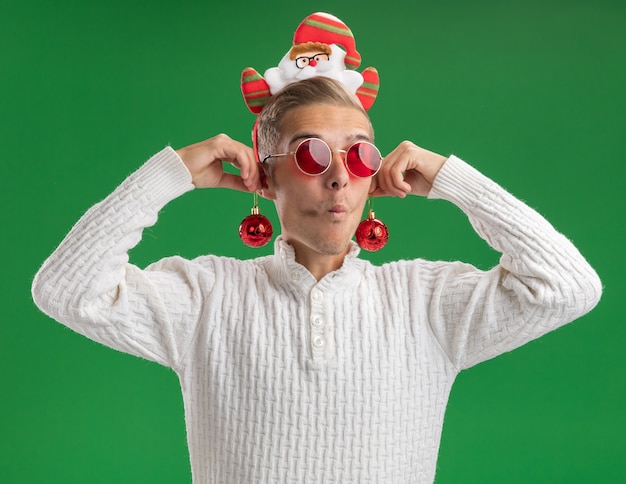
x: 88, y: 284
x: 541, y: 282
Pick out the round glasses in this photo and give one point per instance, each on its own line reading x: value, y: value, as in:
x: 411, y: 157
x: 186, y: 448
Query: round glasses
x: 313, y: 157
x: 303, y: 60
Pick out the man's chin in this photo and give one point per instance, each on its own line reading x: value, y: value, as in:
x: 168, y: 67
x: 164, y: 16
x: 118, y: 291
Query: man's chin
x: 333, y: 246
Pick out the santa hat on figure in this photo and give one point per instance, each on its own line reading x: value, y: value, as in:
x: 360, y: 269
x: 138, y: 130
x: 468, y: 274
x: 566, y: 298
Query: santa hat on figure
x: 322, y: 46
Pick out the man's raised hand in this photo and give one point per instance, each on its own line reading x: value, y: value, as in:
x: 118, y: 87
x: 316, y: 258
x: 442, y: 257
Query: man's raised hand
x: 205, y: 160
x: 408, y: 169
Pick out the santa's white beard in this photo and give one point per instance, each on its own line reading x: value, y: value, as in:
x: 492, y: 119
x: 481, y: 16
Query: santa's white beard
x: 319, y: 70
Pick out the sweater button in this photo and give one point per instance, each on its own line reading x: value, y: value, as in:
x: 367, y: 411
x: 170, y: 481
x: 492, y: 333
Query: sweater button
x: 317, y: 321
x: 316, y: 295
x: 319, y: 342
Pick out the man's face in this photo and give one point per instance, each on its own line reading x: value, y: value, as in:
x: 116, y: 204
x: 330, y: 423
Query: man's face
x: 319, y: 214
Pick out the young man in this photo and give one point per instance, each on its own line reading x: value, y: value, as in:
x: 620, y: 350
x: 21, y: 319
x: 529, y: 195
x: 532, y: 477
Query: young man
x: 312, y: 365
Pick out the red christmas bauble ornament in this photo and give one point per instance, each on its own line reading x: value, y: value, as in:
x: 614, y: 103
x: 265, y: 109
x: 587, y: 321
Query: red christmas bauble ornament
x: 256, y: 229
x: 372, y: 234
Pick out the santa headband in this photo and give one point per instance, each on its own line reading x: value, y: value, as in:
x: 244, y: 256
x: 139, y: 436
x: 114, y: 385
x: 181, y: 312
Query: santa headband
x: 322, y: 46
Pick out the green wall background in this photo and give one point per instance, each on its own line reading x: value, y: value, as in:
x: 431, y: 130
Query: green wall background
x: 532, y: 93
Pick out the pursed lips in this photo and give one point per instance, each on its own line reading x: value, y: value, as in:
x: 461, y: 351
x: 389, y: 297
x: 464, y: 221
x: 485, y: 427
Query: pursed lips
x: 338, y: 211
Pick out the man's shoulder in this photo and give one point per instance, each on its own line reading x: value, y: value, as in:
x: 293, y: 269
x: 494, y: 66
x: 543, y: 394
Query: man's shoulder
x: 412, y: 266
x: 209, y: 261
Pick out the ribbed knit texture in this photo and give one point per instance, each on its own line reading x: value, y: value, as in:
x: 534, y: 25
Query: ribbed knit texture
x: 287, y: 379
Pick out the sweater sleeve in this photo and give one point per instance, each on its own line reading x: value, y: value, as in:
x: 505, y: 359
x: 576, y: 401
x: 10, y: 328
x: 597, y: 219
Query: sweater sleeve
x: 541, y: 282
x: 88, y: 284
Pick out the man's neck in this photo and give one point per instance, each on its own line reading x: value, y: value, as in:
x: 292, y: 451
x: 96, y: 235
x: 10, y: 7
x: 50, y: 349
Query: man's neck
x: 318, y: 264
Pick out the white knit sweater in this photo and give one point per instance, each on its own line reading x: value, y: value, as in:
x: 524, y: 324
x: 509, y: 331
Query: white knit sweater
x: 286, y: 379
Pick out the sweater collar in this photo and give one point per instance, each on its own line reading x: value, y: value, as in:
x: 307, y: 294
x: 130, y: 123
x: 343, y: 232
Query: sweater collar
x: 284, y: 269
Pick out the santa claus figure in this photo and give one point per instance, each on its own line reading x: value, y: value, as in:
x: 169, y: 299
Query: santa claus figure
x: 322, y: 46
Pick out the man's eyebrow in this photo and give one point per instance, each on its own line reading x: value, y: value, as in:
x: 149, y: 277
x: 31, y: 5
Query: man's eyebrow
x: 301, y: 137
x: 351, y: 137
x: 362, y: 137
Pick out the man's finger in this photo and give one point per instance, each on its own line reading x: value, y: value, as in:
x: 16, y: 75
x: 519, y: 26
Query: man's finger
x: 233, y: 182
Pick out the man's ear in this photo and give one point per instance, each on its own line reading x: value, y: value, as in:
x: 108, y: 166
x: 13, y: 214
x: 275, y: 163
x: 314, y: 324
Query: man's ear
x: 373, y: 185
x: 266, y: 180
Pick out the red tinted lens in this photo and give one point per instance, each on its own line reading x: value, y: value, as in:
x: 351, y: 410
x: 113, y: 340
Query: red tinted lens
x: 313, y: 156
x: 363, y: 159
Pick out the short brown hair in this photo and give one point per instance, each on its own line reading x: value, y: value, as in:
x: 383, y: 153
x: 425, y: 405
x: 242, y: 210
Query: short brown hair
x: 316, y: 90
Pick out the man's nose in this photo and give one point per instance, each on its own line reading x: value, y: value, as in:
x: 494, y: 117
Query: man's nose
x: 338, y: 175
x: 312, y: 62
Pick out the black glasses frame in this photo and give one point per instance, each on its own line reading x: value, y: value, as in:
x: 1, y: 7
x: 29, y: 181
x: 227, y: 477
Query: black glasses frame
x: 302, y: 60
